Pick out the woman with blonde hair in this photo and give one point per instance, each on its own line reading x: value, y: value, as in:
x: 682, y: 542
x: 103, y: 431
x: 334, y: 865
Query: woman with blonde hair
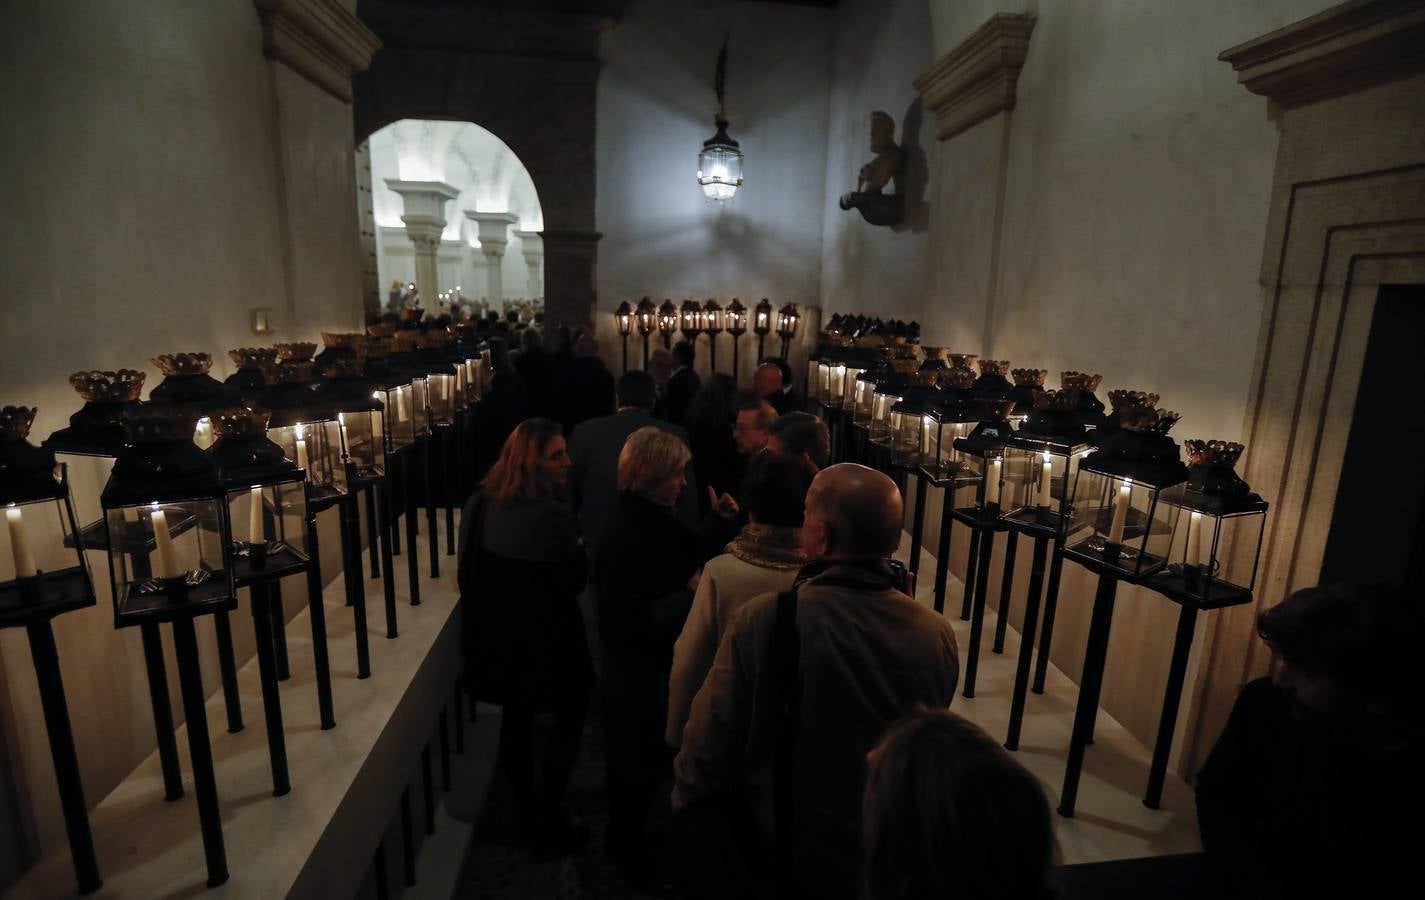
x: 646, y: 572
x: 522, y: 566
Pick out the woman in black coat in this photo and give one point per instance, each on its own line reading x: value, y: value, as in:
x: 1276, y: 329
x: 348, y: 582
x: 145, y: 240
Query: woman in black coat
x: 646, y: 568
x: 522, y: 566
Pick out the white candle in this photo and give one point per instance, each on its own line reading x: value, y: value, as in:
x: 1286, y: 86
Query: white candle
x: 1047, y: 473
x: 992, y: 484
x: 255, y: 531
x: 345, y: 440
x: 401, y: 412
x: 1120, y: 512
x: 167, y: 560
x: 203, y: 435
x: 20, y: 543
x: 301, y: 450
x: 1194, y: 539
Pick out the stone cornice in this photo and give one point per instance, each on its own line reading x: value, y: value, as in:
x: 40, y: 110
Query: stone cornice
x: 1342, y: 49
x: 318, y: 39
x: 977, y: 79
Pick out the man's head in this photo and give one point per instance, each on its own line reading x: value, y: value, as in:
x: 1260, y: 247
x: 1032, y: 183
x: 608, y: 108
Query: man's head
x: 660, y: 365
x: 853, y: 513
x: 801, y: 434
x: 635, y: 389
x: 683, y: 354
x: 1340, y: 653
x: 754, y: 417
x: 775, y: 489
x: 767, y: 380
x: 586, y: 345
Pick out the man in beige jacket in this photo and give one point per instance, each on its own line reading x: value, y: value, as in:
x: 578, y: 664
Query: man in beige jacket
x: 867, y: 655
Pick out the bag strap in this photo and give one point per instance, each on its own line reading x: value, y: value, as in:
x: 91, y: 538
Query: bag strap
x: 786, y: 703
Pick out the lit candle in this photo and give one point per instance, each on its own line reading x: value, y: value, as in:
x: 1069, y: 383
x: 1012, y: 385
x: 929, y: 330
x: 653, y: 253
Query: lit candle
x: 255, y: 531
x: 1120, y: 512
x: 1194, y: 539
x: 301, y: 449
x: 20, y: 543
x: 203, y: 434
x: 345, y: 441
x: 167, y: 560
x: 1047, y: 473
x: 992, y: 485
x: 401, y: 412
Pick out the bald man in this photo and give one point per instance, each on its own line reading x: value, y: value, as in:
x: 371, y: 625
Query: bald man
x: 773, y: 384
x: 864, y: 655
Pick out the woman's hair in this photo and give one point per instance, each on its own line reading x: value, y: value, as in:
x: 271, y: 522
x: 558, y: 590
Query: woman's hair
x: 650, y: 456
x: 948, y: 813
x: 515, y: 475
x: 712, y: 410
x: 774, y: 492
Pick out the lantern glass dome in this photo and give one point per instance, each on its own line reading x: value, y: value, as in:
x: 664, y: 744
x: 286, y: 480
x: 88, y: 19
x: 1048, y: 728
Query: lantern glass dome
x: 720, y: 166
x: 981, y: 456
x: 647, y: 317
x: 736, y: 318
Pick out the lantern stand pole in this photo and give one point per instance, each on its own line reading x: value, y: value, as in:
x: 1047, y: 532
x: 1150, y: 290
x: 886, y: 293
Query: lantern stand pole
x: 977, y: 613
x: 645, y: 353
x: 942, y: 548
x: 1091, y: 684
x: 427, y: 790
x: 205, y: 785
x: 1006, y: 596
x: 352, y: 575
x: 1026, y: 641
x: 318, y: 614
x: 712, y: 354
x: 395, y: 460
x: 1172, y: 698
x: 1051, y: 605
x: 432, y: 530
x: 260, y: 598
x: 370, y: 509
x: 158, y: 697
x: 917, y: 525
x: 972, y: 564
x: 413, y: 566
x: 388, y: 528
x: 48, y: 678
x: 761, y: 347
x: 452, y: 452
x: 279, y: 631
x: 625, y: 352
x: 735, y: 373
x: 227, y: 670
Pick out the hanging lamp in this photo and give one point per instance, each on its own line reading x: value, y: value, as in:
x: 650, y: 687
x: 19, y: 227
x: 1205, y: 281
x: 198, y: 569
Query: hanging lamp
x: 720, y: 162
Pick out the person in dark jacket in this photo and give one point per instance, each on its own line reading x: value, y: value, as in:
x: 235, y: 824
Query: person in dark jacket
x: 683, y: 384
x: 537, y: 371
x: 716, y: 461
x: 1311, y: 786
x: 646, y: 568
x: 773, y: 382
x: 586, y: 388
x: 503, y: 407
x: 521, y: 567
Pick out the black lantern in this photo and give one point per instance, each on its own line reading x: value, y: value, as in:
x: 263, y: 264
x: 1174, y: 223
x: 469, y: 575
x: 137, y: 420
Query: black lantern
x: 864, y: 391
x: 690, y: 320
x: 714, y: 323
x: 762, y: 324
x: 95, y: 436
x: 623, y: 321
x: 911, y: 417
x: 1041, y: 460
x: 981, y: 456
x: 442, y: 377
x: 361, y: 418
x: 993, y: 382
x: 1221, y: 520
x: 407, y: 360
x: 737, y: 327
x: 888, y: 392
x: 667, y: 322
x: 1027, y: 383
x: 787, y: 318
x: 842, y: 385
x: 186, y: 382
x: 391, y: 387
x: 247, y: 382
x: 308, y: 434
x: 647, y: 315
x: 1117, y: 522
x: 266, y: 497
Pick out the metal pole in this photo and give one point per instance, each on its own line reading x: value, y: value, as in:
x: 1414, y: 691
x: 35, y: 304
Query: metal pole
x: 413, y: 565
x: 352, y: 574
x: 972, y: 562
x: 1095, y: 654
x: 200, y: 751
x: 371, y: 530
x: 1006, y: 587
x: 1026, y: 642
x: 279, y: 628
x: 452, y: 474
x: 977, y: 618
x: 432, y: 534
x: 388, y: 583
x: 917, y: 525
x: 1172, y: 698
x: 1051, y: 605
x: 162, y: 711
x: 227, y: 670
x: 317, y: 612
x: 261, y: 601
x: 942, y: 550
x: 66, y: 761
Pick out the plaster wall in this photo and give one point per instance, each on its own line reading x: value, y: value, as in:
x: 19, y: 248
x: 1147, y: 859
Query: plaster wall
x: 1137, y: 178
x: 877, y: 50
x: 165, y: 178
x: 656, y: 103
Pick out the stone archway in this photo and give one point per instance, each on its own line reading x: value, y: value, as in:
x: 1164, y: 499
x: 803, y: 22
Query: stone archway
x: 499, y: 70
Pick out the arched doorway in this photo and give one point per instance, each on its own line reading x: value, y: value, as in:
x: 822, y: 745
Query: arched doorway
x: 453, y: 214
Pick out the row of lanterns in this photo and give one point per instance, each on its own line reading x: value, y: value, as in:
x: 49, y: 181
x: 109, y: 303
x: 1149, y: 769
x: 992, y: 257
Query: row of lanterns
x: 208, y: 487
x: 710, y: 318
x: 1105, y: 485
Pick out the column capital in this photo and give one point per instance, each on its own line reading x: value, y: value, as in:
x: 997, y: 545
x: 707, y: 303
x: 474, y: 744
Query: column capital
x: 493, y: 229
x: 424, y: 198
x: 531, y: 244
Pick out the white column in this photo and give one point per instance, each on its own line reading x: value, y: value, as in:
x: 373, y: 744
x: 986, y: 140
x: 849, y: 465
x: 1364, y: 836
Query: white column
x: 532, y: 246
x: 424, y: 203
x: 494, y: 233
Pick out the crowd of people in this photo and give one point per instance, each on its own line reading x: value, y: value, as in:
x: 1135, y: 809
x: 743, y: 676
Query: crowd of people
x: 758, y: 670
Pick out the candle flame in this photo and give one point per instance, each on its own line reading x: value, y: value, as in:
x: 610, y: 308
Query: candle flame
x: 154, y: 507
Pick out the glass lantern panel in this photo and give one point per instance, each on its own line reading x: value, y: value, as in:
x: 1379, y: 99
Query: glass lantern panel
x: 401, y: 420
x: 441, y: 391
x: 364, y: 438
x: 905, y: 437
x: 865, y: 391
x: 1214, y: 556
x: 881, y: 416
x: 1109, y: 510
x: 316, y: 448
x: 420, y: 405
x: 835, y: 384
x: 849, y: 387
x: 462, y: 390
x: 151, y: 543
x: 87, y: 477
x: 38, y: 543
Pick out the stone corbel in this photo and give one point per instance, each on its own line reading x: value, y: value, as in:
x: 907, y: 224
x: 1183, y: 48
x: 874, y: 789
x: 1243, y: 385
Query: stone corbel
x: 977, y: 79
x: 1342, y: 49
x: 318, y: 39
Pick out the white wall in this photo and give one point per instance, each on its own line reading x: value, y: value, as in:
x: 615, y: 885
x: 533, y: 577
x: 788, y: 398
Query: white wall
x: 878, y: 50
x: 655, y: 108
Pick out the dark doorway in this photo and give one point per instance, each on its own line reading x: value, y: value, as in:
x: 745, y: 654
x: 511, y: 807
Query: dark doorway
x: 1378, y: 526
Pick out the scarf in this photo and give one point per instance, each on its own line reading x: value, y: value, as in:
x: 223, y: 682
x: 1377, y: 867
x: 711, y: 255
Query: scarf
x: 769, y: 546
